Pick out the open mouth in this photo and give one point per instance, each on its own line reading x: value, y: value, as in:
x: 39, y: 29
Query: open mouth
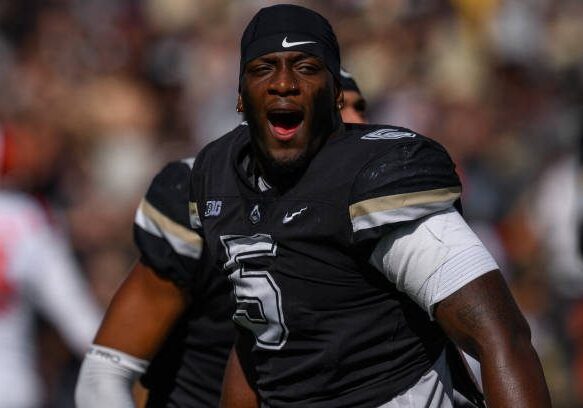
x: 285, y: 123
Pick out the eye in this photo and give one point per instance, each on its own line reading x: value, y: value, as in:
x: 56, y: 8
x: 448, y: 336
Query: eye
x: 260, y: 69
x: 307, y: 68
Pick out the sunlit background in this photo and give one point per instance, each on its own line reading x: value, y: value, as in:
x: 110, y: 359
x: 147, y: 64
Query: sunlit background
x: 96, y: 95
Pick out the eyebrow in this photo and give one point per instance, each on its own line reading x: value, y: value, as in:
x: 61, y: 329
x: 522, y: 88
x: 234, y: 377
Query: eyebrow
x: 294, y: 59
x: 304, y: 56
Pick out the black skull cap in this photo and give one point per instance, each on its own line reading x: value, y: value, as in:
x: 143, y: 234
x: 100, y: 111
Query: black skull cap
x: 287, y: 27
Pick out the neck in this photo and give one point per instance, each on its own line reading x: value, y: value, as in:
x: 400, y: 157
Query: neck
x: 285, y: 175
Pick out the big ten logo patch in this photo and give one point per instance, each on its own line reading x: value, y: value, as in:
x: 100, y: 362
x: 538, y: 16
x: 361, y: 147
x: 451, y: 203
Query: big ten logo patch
x: 213, y: 208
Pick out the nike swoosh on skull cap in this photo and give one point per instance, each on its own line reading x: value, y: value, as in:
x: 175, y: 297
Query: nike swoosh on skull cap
x: 286, y: 44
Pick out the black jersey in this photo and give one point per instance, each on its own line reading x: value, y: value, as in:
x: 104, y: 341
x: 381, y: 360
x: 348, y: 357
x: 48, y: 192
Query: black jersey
x: 188, y: 370
x: 328, y: 329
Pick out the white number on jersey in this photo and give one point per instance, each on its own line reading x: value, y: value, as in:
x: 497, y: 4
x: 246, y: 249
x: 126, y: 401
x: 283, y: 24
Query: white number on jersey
x: 258, y: 296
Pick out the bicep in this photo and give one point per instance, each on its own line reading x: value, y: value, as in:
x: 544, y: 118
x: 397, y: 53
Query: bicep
x: 481, y: 314
x: 484, y: 320
x: 141, y: 313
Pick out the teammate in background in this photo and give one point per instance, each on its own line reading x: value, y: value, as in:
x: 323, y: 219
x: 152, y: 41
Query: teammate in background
x: 352, y: 268
x: 354, y: 107
x: 187, y: 370
x: 171, y: 310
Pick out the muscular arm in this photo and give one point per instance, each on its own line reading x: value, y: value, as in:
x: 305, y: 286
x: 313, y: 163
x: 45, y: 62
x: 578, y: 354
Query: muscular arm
x: 137, y: 321
x: 483, y: 319
x: 141, y: 313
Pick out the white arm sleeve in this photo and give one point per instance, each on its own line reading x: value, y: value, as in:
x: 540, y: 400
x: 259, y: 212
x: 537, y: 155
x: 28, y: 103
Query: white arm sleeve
x: 106, y: 378
x: 433, y: 257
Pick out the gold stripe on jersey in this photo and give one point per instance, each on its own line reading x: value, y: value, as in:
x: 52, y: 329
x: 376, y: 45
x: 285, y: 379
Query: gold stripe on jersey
x: 401, y: 207
x: 183, y: 240
x: 194, y: 216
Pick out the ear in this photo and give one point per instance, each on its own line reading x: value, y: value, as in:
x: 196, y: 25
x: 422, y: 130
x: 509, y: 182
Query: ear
x: 340, y: 100
x: 239, y: 107
x: 338, y: 95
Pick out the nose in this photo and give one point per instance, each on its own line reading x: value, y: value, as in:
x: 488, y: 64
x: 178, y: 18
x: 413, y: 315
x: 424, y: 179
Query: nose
x: 283, y: 83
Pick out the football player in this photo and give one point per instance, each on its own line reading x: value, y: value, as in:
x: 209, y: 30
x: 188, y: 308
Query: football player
x: 353, y: 270
x: 169, y: 320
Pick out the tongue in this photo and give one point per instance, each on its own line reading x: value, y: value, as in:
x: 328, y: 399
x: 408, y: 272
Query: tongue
x: 284, y: 129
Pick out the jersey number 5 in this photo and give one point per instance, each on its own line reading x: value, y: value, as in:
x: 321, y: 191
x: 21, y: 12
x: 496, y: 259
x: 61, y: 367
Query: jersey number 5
x: 258, y: 296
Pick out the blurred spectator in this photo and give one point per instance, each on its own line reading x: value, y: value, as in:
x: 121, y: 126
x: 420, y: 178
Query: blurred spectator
x: 37, y: 272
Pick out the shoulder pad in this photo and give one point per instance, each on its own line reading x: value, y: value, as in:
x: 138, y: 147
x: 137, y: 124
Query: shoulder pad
x: 161, y: 227
x: 168, y: 192
x: 405, y: 181
x: 388, y: 134
x: 163, y: 212
x: 372, y: 132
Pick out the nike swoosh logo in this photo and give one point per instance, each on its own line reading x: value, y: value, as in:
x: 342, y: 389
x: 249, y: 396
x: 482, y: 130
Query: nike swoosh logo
x: 288, y: 218
x: 286, y: 44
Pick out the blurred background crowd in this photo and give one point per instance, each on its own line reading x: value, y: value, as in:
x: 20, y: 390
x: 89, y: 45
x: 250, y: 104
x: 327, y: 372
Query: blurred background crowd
x: 96, y: 95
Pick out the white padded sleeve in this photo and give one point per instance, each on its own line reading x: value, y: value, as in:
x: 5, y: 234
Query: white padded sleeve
x: 106, y: 378
x: 433, y: 257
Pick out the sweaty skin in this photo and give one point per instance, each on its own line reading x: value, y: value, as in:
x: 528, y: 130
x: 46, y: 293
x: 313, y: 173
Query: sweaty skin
x: 143, y: 293
x: 483, y: 319
x: 296, y: 84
